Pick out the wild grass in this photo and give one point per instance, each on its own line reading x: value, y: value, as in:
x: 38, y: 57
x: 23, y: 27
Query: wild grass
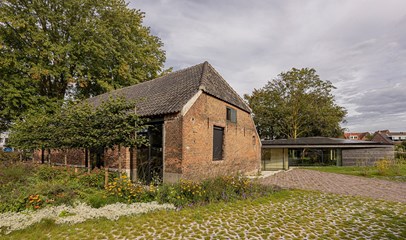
x: 285, y: 214
x: 30, y: 186
x: 24, y: 185
x: 382, y: 170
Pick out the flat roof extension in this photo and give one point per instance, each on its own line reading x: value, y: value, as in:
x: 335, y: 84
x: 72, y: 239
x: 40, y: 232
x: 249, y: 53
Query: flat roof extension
x: 321, y: 142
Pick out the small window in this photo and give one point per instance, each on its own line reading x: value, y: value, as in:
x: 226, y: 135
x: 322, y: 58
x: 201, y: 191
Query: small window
x: 231, y: 115
x: 218, y: 137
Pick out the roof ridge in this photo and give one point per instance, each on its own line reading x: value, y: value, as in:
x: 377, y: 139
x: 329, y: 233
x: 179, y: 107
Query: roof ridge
x: 149, y: 81
x: 229, y: 86
x: 204, y: 73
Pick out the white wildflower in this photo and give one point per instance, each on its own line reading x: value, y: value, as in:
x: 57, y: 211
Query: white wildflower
x: 11, y: 221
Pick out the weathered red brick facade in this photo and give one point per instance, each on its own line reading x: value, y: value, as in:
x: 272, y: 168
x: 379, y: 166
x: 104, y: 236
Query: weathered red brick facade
x: 189, y: 104
x: 189, y: 142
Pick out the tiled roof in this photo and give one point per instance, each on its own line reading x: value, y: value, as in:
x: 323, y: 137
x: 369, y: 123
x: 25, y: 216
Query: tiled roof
x: 360, y: 136
x: 382, y: 137
x: 168, y: 94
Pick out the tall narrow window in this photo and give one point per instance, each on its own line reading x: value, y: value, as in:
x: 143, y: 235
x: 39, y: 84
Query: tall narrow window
x: 218, y: 135
x: 231, y: 115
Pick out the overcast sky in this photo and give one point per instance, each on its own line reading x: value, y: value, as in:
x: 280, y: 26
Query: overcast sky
x: 358, y: 45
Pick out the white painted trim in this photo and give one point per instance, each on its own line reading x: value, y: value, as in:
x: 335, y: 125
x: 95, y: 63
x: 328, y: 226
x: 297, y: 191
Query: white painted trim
x: 190, y: 103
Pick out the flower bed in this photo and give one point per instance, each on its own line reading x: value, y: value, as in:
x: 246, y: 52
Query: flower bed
x: 11, y: 221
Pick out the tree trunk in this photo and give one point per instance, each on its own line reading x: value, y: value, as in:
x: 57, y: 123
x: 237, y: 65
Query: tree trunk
x: 89, y: 164
x: 86, y: 162
x: 65, y: 157
x: 119, y: 160
x: 42, y: 155
x: 49, y: 157
x: 106, y: 171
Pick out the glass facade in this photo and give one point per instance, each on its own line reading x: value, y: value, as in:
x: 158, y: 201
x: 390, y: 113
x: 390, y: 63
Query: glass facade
x: 274, y: 159
x: 150, y: 156
x: 315, y: 157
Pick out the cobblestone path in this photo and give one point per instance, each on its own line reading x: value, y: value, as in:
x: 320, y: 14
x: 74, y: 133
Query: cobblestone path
x: 300, y: 215
x: 340, y: 184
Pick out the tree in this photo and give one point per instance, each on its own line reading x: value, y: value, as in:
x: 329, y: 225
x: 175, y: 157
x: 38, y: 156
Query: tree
x: 296, y: 104
x: 110, y: 125
x: 36, y: 129
x: 50, y: 49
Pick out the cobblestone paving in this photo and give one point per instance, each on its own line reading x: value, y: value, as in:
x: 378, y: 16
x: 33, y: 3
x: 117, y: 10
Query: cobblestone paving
x: 301, y: 215
x: 340, y: 184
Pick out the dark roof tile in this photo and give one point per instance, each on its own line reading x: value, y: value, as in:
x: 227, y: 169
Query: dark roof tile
x: 168, y: 94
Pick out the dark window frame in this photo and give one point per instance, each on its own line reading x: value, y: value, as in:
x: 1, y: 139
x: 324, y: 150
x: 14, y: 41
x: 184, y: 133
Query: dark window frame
x: 218, y: 143
x: 231, y: 115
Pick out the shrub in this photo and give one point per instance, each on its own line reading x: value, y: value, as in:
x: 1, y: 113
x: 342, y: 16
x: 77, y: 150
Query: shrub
x: 58, y: 185
x: 365, y: 166
x: 123, y: 188
x: 95, y: 179
x: 184, y: 193
x: 396, y: 167
x: 14, y: 173
x: 9, y: 156
x: 36, y: 201
x: 48, y: 173
x: 226, y: 188
x: 382, y: 166
x: 98, y: 200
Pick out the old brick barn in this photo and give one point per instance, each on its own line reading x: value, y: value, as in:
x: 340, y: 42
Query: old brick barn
x: 201, y: 128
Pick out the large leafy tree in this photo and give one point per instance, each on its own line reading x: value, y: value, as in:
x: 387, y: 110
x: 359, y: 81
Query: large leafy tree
x: 296, y: 104
x: 50, y: 49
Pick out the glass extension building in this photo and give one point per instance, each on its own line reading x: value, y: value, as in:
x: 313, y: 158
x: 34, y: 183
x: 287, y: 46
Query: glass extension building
x: 321, y: 151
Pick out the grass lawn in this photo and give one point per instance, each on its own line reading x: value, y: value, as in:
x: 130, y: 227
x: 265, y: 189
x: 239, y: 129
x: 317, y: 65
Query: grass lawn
x: 287, y: 214
x: 398, y: 174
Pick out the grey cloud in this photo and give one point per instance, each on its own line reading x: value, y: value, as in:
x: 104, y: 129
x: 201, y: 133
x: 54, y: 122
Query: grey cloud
x: 360, y: 46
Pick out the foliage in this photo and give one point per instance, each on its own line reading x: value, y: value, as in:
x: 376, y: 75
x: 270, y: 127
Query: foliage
x: 99, y: 200
x: 124, y: 188
x: 383, y: 166
x: 365, y: 166
x: 35, y: 202
x: 401, y: 147
x: 76, y: 48
x: 30, y: 186
x: 395, y: 170
x: 9, y: 156
x: 296, y: 104
x: 35, y: 129
x: 80, y: 125
x: 21, y: 182
x: 95, y: 179
x: 226, y: 188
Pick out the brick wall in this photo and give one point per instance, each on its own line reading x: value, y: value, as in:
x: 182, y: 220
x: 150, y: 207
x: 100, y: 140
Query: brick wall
x: 188, y: 144
x: 172, y: 149
x: 350, y: 157
x: 77, y: 157
x: 74, y: 156
x: 241, y: 147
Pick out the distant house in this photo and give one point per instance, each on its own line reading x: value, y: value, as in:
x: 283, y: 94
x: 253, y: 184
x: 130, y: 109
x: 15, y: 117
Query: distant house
x: 201, y: 128
x: 357, y: 136
x: 321, y: 151
x: 386, y: 136
x: 4, y: 141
